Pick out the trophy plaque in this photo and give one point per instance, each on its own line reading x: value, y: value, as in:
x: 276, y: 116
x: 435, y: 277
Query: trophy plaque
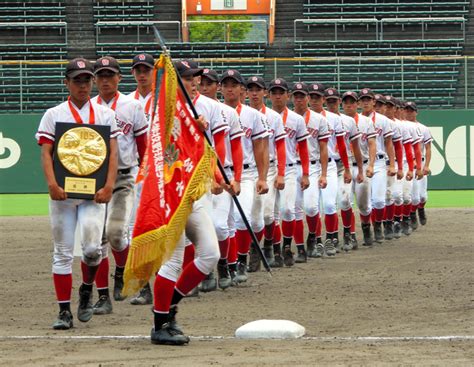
x: 81, y: 158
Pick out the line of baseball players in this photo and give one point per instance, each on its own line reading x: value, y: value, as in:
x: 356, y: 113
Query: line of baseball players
x: 286, y: 166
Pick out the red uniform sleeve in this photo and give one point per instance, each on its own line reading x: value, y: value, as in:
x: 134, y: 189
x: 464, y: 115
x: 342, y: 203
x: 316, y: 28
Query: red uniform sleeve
x: 281, y: 156
x: 341, y: 146
x: 409, y: 155
x: 237, y: 158
x: 43, y: 140
x: 218, y: 176
x: 141, y: 141
x: 304, y: 156
x: 399, y: 153
x: 417, y: 149
x: 219, y: 145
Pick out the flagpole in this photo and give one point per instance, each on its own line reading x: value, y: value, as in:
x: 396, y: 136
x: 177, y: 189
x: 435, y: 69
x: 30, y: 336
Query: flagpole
x: 221, y: 168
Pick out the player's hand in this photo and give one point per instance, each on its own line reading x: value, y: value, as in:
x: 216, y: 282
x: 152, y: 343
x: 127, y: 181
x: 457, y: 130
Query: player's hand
x: 399, y: 174
x: 360, y: 177
x: 419, y: 174
x: 57, y: 193
x: 347, y: 176
x: 322, y: 182
x: 104, y: 195
x: 280, y: 183
x: 202, y: 123
x: 304, y: 182
x: 216, y: 188
x: 409, y: 176
x: 426, y: 170
x: 261, y: 187
x: 369, y: 172
x: 234, y: 188
x: 391, y: 171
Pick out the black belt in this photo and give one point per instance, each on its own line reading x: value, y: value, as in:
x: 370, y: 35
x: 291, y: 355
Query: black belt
x: 380, y: 156
x: 124, y: 171
x: 363, y: 162
x: 272, y: 161
x: 311, y: 162
x: 291, y: 164
x: 245, y: 166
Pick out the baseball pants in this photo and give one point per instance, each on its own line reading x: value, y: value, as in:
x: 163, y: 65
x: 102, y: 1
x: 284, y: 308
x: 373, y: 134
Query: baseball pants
x: 311, y: 195
x: 423, y: 188
x: 263, y: 208
x: 329, y: 194
x: 379, y: 184
x: 246, y: 197
x: 394, y: 193
x: 344, y: 193
x: 415, y: 193
x: 65, y: 216
x: 362, y: 192
x: 288, y: 194
x: 200, y: 231
x: 222, y: 213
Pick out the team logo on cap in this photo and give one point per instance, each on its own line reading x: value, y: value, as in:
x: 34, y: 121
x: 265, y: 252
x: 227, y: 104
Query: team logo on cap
x: 388, y: 98
x: 105, y: 62
x: 205, y: 71
x: 141, y: 57
x: 315, y: 87
x: 330, y: 92
x: 299, y: 86
x: 254, y: 78
x: 231, y: 72
x: 365, y: 91
x: 81, y: 64
x: 277, y: 81
x: 185, y: 63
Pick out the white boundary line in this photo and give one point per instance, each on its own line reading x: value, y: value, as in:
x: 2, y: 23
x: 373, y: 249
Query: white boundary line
x: 217, y: 337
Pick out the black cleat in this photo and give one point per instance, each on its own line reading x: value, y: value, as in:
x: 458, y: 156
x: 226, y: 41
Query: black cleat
x: 378, y: 235
x: 209, y: 284
x: 167, y: 336
x: 85, y: 309
x: 353, y: 241
x: 368, y: 240
x: 268, y: 251
x: 144, y: 297
x: 311, y: 247
x: 118, y: 287
x: 301, y: 257
x: 172, y: 324
x: 64, y: 321
x: 288, y: 259
x: 254, y: 261
x: 414, y: 221
x: 397, y: 230
x: 388, y: 230
x: 224, y: 280
x: 277, y: 261
x: 406, y: 226
x: 241, y: 275
x: 103, y: 306
x: 422, y: 216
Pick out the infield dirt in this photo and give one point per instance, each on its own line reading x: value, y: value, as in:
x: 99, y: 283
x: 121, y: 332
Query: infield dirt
x: 421, y: 285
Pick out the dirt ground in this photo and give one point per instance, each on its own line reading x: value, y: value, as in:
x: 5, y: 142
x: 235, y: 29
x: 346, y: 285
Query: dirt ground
x: 420, y: 285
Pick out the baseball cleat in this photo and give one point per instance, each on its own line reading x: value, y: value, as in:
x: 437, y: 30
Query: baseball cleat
x: 319, y: 250
x: 118, y: 286
x: 209, y: 283
x: 406, y: 227
x: 103, y: 306
x: 144, y: 297
x: 388, y: 230
x: 172, y: 323
x: 167, y: 336
x: 64, y: 321
x: 337, y: 245
x: 378, y: 235
x: 277, y: 261
x: 414, y: 221
x: 254, y: 261
x: 347, y: 245
x: 422, y: 216
x: 85, y: 309
x: 223, y: 275
x: 301, y: 257
x: 353, y: 241
x: 329, y: 248
x: 397, y: 230
x: 241, y: 275
x: 193, y: 292
x: 268, y: 251
x: 311, y: 248
x: 368, y: 241
x: 288, y: 259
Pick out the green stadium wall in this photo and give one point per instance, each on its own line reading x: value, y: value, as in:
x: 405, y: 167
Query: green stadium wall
x: 451, y: 164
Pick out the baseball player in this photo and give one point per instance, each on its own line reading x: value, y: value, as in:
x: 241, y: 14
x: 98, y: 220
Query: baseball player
x: 223, y: 205
x: 142, y: 70
x: 384, y: 148
x: 367, y: 145
x: 263, y: 219
x: 337, y: 151
x: 67, y: 213
x: 173, y: 281
x: 131, y: 120
x: 420, y: 186
x: 296, y: 146
x: 345, y: 193
x: 308, y: 201
x: 255, y: 161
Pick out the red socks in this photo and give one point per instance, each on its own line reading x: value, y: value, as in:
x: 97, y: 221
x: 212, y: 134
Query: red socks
x: 120, y: 257
x: 63, y: 287
x: 319, y: 226
x: 330, y: 220
x: 188, y: 255
x: 259, y: 235
x: 406, y: 210
x: 389, y: 212
x: 413, y: 208
x: 162, y: 294
x: 102, y: 276
x: 277, y: 234
x: 299, y: 232
x: 378, y: 215
x: 312, y: 223
x: 353, y: 223
x: 189, y: 279
x: 346, y: 216
x: 232, y: 257
x: 288, y: 229
x: 243, y: 241
x: 365, y: 218
x: 421, y: 205
x: 88, y: 273
x: 398, y: 210
x: 224, y: 248
x: 269, y: 229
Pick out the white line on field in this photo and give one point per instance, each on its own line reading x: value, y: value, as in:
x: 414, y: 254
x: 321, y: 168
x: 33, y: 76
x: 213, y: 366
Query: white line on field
x: 219, y: 337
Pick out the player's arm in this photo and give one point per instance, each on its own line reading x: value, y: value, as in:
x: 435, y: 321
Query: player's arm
x: 417, y: 150
x: 359, y: 160
x: 372, y: 152
x: 281, y: 157
x: 304, y: 159
x: 323, y: 158
x: 105, y: 193
x: 260, y: 151
x: 426, y: 168
x: 55, y: 191
x: 219, y: 145
x: 391, y: 155
x: 341, y: 146
x: 399, y: 156
x: 237, y: 161
x: 409, y: 155
x: 141, y: 142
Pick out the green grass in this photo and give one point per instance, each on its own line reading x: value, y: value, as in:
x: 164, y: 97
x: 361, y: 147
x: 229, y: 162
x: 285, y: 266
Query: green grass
x: 37, y: 204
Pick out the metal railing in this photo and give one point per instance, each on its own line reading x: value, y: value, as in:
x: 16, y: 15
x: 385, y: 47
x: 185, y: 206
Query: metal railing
x: 27, y: 25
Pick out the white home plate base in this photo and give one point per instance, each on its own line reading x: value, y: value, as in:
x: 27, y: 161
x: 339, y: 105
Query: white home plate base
x: 270, y: 329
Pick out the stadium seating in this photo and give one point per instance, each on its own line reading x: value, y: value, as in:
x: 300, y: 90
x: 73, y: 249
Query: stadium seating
x: 124, y: 10
x: 32, y: 11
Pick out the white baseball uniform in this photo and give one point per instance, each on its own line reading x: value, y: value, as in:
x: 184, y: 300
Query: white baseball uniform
x: 420, y: 187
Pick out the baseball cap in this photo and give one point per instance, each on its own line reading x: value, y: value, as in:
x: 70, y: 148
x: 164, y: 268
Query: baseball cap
x: 143, y: 59
x: 278, y: 83
x: 380, y: 98
x: 257, y: 80
x: 316, y: 88
x: 411, y: 105
x: 331, y: 93
x: 350, y: 94
x: 211, y: 75
x: 187, y: 68
x: 391, y: 100
x: 232, y: 74
x: 300, y: 87
x: 366, y: 92
x: 79, y: 66
x: 107, y: 63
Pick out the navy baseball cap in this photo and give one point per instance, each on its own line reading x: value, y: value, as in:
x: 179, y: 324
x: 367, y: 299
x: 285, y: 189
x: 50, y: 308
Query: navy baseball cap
x: 107, y: 63
x: 350, y: 94
x: 411, y: 105
x: 366, y: 92
x: 316, y: 88
x: 187, y: 68
x: 380, y: 98
x: 300, y: 87
x: 391, y: 100
x: 143, y: 59
x: 79, y: 66
x: 256, y: 80
x: 232, y: 74
x: 332, y: 93
x: 211, y: 75
x: 278, y: 83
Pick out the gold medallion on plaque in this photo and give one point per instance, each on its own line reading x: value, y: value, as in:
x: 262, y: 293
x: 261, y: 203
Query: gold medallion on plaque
x: 82, y: 151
